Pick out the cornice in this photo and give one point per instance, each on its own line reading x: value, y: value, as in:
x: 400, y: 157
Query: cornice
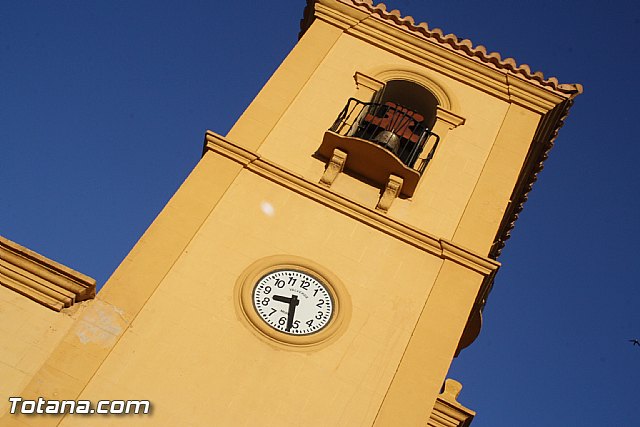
x: 434, y: 56
x: 466, y: 257
x: 336, y: 16
x: 535, y: 98
x: 451, y: 42
x: 220, y: 145
x: 445, y: 99
x: 447, y: 411
x: 401, y: 231
x: 41, y: 279
x: 369, y: 82
x: 453, y: 120
x: 543, y: 142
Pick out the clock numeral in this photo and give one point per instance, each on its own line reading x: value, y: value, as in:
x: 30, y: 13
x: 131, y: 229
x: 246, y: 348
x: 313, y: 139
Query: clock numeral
x: 319, y: 315
x: 273, y: 310
x: 282, y: 321
x: 315, y: 291
x: 309, y: 322
x: 320, y: 303
x: 296, y: 324
x: 280, y: 283
x: 305, y: 284
x: 267, y: 289
x: 292, y: 280
x: 265, y: 301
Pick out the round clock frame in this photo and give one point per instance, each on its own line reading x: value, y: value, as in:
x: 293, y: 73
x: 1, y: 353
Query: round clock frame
x: 292, y: 301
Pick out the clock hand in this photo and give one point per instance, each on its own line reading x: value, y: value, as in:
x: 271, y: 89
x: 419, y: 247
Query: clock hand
x: 282, y: 299
x: 293, y: 303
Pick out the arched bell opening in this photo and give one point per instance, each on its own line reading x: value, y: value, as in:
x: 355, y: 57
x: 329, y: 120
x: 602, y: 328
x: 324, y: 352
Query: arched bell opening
x: 387, y: 135
x: 400, y: 119
x: 411, y: 96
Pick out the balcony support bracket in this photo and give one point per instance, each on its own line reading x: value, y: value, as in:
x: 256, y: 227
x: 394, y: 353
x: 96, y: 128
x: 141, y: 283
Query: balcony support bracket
x: 334, y: 167
x: 391, y: 191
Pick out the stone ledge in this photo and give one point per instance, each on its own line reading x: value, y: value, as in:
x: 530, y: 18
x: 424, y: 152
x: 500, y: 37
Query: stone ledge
x: 377, y: 220
x: 45, y: 281
x: 448, y: 412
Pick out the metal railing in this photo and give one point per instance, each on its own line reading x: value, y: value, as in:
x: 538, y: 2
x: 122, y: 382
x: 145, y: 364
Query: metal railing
x: 392, y: 126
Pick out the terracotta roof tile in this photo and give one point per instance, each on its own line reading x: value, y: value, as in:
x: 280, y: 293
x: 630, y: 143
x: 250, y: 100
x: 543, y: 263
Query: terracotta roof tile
x: 451, y: 41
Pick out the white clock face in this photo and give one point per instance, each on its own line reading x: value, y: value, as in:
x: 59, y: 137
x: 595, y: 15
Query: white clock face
x: 293, y: 302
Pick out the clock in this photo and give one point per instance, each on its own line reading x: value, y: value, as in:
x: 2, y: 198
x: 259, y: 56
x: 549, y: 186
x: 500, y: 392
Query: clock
x: 293, y: 301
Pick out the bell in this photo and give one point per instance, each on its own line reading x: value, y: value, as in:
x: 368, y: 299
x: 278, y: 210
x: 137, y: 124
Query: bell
x: 388, y: 140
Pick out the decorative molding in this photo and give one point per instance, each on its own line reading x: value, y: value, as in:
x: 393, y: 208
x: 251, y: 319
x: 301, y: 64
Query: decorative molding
x: 451, y: 119
x: 543, y: 142
x: 391, y: 191
x: 434, y: 56
x: 368, y: 82
x: 449, y: 42
x: 467, y: 258
x: 333, y: 15
x: 445, y: 54
x: 445, y: 99
x: 447, y: 411
x: 218, y: 144
x: 334, y: 167
x: 377, y: 220
x: 533, y: 98
x: 41, y: 279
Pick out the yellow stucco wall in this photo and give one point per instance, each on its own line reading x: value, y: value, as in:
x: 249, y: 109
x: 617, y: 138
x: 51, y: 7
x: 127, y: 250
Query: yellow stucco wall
x: 191, y: 325
x: 29, y: 334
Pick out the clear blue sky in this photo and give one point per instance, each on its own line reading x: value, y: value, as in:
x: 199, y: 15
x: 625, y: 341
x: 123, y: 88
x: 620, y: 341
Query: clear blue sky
x: 103, y: 109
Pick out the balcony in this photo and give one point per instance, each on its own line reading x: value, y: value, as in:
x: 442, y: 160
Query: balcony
x: 381, y: 140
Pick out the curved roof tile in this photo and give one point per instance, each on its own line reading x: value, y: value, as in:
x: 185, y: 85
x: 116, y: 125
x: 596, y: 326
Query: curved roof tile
x: 451, y: 41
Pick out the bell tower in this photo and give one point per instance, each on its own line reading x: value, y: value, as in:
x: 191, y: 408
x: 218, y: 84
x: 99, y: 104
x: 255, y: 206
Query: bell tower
x: 326, y: 259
